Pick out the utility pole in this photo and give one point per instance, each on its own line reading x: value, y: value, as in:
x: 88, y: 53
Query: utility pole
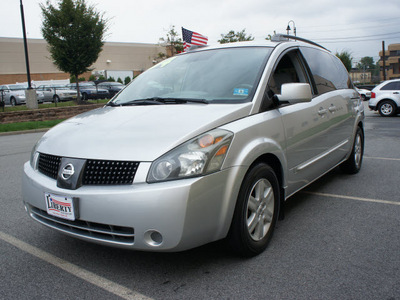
x: 383, y: 60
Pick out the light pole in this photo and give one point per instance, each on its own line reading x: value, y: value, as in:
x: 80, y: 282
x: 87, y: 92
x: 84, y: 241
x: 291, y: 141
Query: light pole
x: 288, y: 27
x: 28, y: 73
x: 30, y: 94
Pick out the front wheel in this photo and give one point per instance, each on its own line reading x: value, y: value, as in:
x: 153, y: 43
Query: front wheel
x: 256, y: 211
x: 13, y: 101
x: 387, y: 109
x: 353, y: 164
x: 56, y: 99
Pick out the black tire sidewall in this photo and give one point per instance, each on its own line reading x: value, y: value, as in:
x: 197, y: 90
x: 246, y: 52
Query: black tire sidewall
x: 239, y: 236
x: 350, y: 166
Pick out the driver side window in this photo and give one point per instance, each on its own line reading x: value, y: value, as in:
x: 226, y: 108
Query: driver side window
x: 289, y: 70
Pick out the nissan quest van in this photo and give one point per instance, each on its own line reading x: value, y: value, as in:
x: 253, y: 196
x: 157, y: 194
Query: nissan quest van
x: 204, y: 146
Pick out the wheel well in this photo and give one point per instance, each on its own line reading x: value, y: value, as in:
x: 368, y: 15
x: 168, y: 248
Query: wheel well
x: 276, y: 165
x: 386, y: 99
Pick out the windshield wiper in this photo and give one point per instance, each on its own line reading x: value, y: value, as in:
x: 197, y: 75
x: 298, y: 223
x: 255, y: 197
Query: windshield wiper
x: 158, y: 101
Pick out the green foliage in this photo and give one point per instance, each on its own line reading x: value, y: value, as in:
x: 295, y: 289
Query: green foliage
x: 346, y: 59
x: 102, y: 77
x: 92, y: 78
x: 74, y: 32
x: 233, y: 36
x: 127, y: 80
x: 172, y: 40
x: 111, y: 79
x: 72, y: 79
x: 81, y: 79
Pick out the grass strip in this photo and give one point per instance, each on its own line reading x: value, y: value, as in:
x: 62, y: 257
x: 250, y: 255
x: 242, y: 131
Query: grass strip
x: 28, y: 125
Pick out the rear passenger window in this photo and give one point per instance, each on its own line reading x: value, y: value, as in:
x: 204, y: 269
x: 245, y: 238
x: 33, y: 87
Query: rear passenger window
x: 328, y: 72
x: 391, y: 86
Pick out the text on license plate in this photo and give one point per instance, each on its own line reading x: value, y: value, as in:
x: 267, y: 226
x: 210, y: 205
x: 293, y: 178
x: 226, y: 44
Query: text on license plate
x: 60, y: 206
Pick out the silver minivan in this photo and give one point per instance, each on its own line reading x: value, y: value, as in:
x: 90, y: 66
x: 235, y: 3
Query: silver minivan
x: 205, y: 145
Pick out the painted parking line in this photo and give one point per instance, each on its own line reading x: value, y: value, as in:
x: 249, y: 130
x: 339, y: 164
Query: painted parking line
x: 383, y: 158
x: 351, y: 198
x: 83, y: 274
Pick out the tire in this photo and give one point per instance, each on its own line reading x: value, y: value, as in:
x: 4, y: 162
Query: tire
x: 13, y: 102
x: 353, y: 164
x: 84, y: 96
x: 363, y: 98
x: 56, y: 99
x: 256, y: 212
x: 387, y: 108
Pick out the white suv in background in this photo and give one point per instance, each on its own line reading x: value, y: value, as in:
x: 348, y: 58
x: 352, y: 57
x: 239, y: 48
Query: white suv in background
x: 385, y: 98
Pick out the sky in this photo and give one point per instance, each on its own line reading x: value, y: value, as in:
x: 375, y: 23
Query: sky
x: 355, y: 26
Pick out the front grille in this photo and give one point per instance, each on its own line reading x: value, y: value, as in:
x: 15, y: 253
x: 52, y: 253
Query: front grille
x: 49, y: 164
x: 96, y: 172
x: 95, y: 231
x: 99, y: 172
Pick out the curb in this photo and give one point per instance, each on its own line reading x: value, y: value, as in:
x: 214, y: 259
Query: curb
x: 23, y: 131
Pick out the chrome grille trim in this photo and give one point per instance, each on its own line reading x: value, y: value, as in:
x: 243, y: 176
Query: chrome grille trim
x: 89, y: 230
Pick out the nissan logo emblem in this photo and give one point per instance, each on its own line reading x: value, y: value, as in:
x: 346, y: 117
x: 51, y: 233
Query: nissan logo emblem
x: 67, y: 172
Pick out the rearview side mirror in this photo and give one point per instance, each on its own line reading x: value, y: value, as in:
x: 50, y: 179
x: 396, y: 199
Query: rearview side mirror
x: 295, y: 93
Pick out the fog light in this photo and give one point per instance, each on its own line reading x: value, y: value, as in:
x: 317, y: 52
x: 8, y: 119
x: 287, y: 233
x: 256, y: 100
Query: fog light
x: 153, y: 238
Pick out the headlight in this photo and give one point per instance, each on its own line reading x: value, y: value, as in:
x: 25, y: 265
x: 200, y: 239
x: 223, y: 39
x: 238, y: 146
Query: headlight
x: 34, y: 156
x: 199, y: 156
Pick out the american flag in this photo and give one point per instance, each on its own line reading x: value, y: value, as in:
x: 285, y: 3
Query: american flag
x: 192, y: 38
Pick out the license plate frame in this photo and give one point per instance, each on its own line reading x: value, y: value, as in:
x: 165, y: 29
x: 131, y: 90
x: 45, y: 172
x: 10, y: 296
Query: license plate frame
x: 63, y: 207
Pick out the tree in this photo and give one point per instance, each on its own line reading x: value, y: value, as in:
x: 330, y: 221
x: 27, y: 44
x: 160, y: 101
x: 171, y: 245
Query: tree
x: 172, y: 42
x: 346, y: 59
x: 233, y: 36
x: 127, y: 80
x: 74, y: 32
x: 366, y: 62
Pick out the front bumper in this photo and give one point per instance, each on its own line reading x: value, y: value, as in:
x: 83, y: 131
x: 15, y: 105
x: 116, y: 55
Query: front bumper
x: 168, y: 216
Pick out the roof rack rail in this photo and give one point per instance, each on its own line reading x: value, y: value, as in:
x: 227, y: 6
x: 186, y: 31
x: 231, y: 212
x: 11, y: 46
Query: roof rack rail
x: 285, y: 37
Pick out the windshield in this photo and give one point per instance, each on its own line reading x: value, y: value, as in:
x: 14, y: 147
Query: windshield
x: 17, y: 87
x: 222, y: 75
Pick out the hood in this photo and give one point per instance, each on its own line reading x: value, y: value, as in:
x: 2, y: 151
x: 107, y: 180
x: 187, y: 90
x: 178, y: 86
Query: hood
x: 136, y: 133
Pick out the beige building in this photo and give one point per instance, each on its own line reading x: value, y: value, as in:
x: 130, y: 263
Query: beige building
x: 392, y: 62
x: 116, y: 58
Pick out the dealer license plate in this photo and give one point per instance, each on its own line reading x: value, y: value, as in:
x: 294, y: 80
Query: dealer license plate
x: 60, y: 206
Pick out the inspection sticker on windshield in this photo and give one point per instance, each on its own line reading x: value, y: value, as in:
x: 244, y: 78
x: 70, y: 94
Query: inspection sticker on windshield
x: 60, y: 206
x: 241, y: 92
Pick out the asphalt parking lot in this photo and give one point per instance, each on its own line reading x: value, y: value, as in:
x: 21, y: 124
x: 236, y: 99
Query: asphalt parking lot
x: 340, y: 240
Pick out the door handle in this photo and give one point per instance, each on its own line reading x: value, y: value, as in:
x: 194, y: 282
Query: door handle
x: 322, y: 111
x: 332, y: 108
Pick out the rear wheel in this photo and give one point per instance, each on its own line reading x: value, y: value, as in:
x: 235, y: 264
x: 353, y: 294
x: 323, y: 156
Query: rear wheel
x: 387, y: 108
x: 353, y: 164
x: 84, y: 96
x: 56, y: 99
x: 256, y: 211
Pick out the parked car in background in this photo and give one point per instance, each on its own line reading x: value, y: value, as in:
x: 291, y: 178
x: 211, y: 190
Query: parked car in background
x: 56, y: 93
x: 206, y: 145
x: 365, y: 94
x: 89, y: 90
x: 14, y: 94
x: 385, y: 98
x: 112, y: 87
